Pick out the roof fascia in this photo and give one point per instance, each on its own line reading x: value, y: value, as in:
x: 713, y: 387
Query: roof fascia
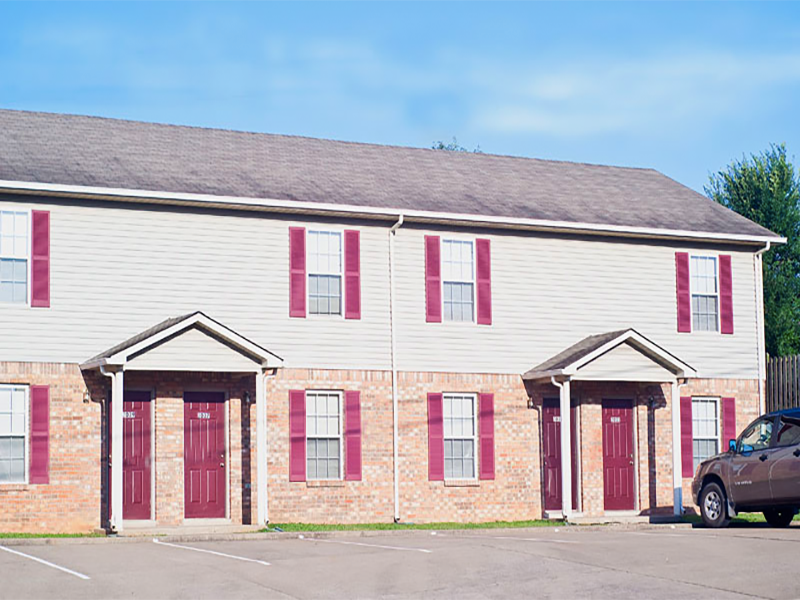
x: 321, y: 208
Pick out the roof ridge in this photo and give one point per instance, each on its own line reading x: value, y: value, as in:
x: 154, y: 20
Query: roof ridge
x: 328, y: 140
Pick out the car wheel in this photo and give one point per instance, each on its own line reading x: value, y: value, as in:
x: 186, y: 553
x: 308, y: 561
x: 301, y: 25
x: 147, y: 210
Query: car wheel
x: 713, y: 506
x: 779, y: 518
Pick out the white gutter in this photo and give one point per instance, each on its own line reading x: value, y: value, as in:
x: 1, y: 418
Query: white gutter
x: 392, y: 327
x: 758, y: 274
x: 276, y: 205
x: 565, y: 400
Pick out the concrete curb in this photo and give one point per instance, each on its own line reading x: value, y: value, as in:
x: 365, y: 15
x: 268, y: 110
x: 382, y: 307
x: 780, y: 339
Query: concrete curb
x: 293, y: 535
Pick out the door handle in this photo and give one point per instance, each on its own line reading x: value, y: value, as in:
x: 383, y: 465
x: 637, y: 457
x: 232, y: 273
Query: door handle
x: 221, y: 464
x: 762, y: 458
x: 796, y: 452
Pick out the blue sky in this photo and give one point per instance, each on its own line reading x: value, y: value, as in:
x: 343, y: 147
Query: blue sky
x: 682, y: 87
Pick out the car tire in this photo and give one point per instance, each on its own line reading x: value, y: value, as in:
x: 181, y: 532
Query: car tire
x: 714, y: 506
x: 779, y: 518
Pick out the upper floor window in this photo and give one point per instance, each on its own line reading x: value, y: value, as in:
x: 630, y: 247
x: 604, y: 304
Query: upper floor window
x: 705, y: 293
x: 458, y: 280
x: 705, y: 429
x: 460, y: 429
x: 13, y: 433
x: 324, y: 435
x: 324, y: 272
x: 14, y: 259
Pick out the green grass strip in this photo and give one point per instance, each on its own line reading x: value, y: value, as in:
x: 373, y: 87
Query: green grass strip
x: 48, y: 535
x: 403, y: 526
x: 741, y: 518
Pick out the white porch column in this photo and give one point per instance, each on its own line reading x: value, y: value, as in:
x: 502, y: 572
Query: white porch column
x: 261, y: 446
x: 117, y: 400
x: 677, y: 468
x: 566, y: 451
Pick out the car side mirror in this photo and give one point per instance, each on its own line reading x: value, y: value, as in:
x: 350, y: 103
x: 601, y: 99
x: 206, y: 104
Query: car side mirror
x: 732, y: 445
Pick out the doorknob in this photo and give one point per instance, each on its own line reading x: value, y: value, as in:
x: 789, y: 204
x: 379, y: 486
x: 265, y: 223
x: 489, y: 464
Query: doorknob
x: 221, y: 464
x: 762, y: 458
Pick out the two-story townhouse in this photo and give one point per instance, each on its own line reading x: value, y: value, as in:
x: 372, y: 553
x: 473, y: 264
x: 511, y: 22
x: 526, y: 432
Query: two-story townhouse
x: 319, y: 331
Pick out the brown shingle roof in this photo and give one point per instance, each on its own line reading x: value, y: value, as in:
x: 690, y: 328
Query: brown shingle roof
x: 91, y: 151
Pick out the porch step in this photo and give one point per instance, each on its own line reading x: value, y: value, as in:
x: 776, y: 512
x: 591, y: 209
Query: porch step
x: 187, y: 530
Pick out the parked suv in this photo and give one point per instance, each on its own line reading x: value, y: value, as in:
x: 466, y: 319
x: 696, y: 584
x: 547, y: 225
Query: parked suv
x: 760, y: 472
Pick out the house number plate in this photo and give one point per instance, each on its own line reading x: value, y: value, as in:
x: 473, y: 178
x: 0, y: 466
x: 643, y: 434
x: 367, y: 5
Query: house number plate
x: 202, y: 415
x: 556, y: 419
x: 128, y: 414
x: 615, y: 419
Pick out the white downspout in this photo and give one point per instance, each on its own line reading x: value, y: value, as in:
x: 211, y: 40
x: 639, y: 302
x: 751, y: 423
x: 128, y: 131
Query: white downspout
x: 261, y: 446
x: 760, y: 336
x: 677, y: 459
x: 566, y: 447
x: 392, y: 327
x: 117, y: 394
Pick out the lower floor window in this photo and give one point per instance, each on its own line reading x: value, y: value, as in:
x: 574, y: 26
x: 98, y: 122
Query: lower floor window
x: 459, y: 436
x: 705, y: 429
x: 323, y: 435
x: 13, y: 433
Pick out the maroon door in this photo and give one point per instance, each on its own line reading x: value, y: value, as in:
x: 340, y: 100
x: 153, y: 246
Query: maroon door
x: 136, y: 458
x: 204, y: 454
x: 618, y: 454
x: 551, y: 452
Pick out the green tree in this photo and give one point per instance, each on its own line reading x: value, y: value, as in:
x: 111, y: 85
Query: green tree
x: 765, y: 188
x: 454, y: 146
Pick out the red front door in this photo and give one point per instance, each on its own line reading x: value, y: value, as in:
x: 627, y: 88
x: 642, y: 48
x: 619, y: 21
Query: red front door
x: 136, y: 458
x: 551, y: 452
x: 204, y: 454
x: 618, y: 454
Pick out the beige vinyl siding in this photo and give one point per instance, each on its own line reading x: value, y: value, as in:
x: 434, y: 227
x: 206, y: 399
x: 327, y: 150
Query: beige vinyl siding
x: 118, y: 269
x: 624, y: 363
x: 193, y: 350
x: 550, y: 292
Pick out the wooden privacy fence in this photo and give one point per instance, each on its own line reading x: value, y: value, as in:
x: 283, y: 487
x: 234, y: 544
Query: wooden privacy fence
x: 783, y: 382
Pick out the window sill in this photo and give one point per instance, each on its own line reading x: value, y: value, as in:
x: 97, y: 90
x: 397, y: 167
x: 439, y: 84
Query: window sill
x: 461, y: 483
x: 325, y: 483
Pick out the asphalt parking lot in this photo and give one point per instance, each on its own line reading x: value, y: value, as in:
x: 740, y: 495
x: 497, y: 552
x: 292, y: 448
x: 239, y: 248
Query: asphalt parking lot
x: 567, y: 562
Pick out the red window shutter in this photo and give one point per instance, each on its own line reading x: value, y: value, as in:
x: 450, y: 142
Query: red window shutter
x: 297, y: 435
x: 484, y: 281
x: 435, y: 437
x: 297, y: 272
x: 352, y: 436
x: 40, y: 434
x: 728, y: 422
x: 486, y: 432
x: 433, y: 279
x: 687, y: 452
x: 352, y: 275
x: 725, y: 294
x: 40, y: 258
x: 684, y: 295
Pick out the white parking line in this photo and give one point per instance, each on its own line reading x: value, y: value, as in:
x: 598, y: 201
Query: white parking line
x: 44, y: 562
x: 658, y: 533
x: 367, y: 545
x: 510, y: 537
x: 253, y: 560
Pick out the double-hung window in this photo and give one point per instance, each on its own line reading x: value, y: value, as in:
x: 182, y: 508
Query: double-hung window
x: 458, y: 280
x: 14, y: 260
x: 705, y: 429
x: 13, y: 433
x: 325, y: 272
x: 323, y: 435
x: 705, y: 293
x: 460, y: 429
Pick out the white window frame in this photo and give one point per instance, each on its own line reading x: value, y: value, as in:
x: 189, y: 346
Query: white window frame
x: 340, y: 395
x: 28, y: 254
x: 472, y: 280
x: 716, y: 401
x: 340, y: 274
x: 693, y: 292
x: 474, y: 437
x: 27, y: 427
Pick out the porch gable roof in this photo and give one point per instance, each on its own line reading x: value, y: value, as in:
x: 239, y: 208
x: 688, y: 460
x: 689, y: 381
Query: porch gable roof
x: 569, y: 362
x: 169, y: 329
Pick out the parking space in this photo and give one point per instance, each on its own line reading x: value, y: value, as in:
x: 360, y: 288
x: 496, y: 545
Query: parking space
x: 549, y: 562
